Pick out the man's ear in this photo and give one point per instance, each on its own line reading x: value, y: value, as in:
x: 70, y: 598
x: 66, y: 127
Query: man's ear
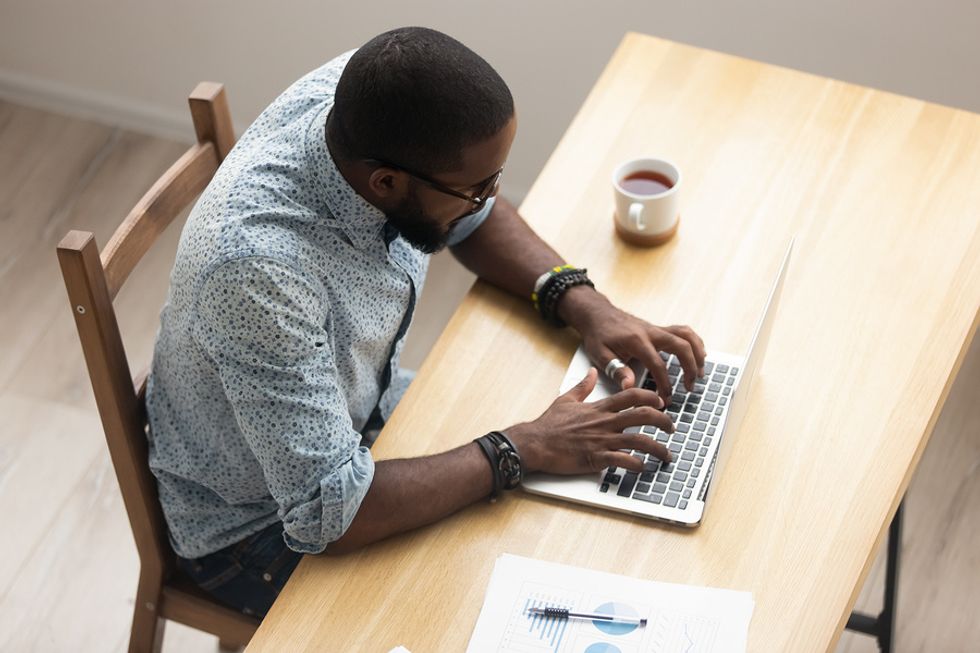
x: 388, y: 183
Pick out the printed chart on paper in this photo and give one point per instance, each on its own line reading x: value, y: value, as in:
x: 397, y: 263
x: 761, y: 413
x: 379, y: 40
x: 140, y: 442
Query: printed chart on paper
x: 679, y: 618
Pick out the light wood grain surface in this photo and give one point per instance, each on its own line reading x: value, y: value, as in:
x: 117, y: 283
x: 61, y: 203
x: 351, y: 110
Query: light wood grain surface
x: 880, y: 305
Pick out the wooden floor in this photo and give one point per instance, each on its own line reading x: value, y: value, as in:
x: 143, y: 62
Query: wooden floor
x: 68, y: 566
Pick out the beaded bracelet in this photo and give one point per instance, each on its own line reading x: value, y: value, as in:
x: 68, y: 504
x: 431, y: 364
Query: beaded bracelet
x: 560, y: 279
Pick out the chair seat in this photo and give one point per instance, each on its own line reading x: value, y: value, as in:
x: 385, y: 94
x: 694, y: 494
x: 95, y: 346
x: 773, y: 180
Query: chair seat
x: 185, y: 602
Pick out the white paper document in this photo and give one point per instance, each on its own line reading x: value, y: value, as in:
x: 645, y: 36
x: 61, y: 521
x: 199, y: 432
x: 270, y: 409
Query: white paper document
x: 681, y: 618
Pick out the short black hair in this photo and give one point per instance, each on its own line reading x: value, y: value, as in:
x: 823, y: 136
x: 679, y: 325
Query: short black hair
x: 416, y: 97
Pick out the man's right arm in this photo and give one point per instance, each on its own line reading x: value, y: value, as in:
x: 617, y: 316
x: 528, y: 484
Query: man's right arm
x: 263, y: 325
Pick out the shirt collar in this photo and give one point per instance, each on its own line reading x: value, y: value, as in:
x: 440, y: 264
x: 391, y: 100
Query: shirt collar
x: 362, y: 221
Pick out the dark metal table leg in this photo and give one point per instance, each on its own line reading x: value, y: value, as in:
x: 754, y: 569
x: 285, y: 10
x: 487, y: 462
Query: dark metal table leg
x: 883, y: 626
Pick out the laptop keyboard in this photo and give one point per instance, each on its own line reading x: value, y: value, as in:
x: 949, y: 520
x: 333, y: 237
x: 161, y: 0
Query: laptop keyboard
x: 696, y: 416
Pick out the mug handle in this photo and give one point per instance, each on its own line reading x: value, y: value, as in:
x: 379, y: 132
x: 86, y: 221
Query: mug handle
x: 636, y: 216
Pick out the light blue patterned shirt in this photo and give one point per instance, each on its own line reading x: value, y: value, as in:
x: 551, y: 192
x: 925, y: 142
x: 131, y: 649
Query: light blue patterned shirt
x: 288, y: 307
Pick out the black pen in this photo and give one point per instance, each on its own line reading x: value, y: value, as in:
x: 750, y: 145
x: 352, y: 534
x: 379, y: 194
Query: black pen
x: 565, y: 613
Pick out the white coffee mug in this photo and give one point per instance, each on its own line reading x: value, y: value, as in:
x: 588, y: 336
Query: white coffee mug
x: 647, y: 219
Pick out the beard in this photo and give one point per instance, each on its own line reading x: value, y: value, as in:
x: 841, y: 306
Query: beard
x: 420, y: 231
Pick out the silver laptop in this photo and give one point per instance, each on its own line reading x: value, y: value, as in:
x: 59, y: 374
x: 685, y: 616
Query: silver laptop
x: 706, y: 420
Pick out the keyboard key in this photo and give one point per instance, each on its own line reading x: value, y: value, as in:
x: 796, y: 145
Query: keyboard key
x: 708, y: 406
x: 712, y: 396
x: 704, y: 416
x: 722, y: 368
x: 690, y: 408
x: 723, y: 401
x: 696, y: 436
x: 704, y: 451
x: 662, y: 437
x: 708, y: 367
x: 669, y: 468
x: 687, y: 455
x: 604, y: 487
x: 612, y: 478
x: 674, y: 447
x: 687, y: 417
x: 674, y: 369
x: 678, y: 437
x: 672, y: 414
x: 678, y: 398
x: 714, y: 387
x: 691, y: 482
x: 626, y: 487
x: 680, y: 475
x: 642, y: 488
x: 700, y: 426
x: 647, y: 477
x: 699, y: 388
x: 734, y: 370
x: 671, y: 499
x: 684, y: 466
x: 726, y: 391
x: 650, y: 384
x: 676, y: 486
x: 696, y: 472
x: 711, y: 430
x: 664, y: 355
x: 639, y: 455
x: 718, y: 377
x: 699, y: 462
x: 683, y: 427
x: 715, y: 420
x: 652, y: 465
x: 730, y: 380
x: 650, y: 498
x: 663, y: 477
x: 659, y: 488
x: 687, y: 493
x: 682, y: 504
x: 692, y: 446
x: 707, y: 441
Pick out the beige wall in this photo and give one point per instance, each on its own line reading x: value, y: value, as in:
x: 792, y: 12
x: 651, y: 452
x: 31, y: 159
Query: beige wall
x: 132, y: 62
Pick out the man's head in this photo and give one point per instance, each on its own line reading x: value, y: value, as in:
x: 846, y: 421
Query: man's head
x: 419, y: 120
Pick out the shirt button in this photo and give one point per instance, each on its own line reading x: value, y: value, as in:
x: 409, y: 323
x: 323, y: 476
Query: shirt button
x: 267, y: 577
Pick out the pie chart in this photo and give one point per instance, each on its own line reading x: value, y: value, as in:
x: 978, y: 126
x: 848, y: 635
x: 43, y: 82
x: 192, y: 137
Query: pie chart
x: 602, y: 647
x: 619, y: 610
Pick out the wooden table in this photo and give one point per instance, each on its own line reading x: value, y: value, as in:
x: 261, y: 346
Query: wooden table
x: 880, y: 305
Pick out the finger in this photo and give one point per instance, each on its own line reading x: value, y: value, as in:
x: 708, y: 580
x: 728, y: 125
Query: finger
x: 583, y: 388
x: 697, y: 345
x: 624, y: 375
x: 641, y: 442
x: 685, y: 354
x: 643, y: 416
x: 658, y: 369
x: 613, y: 459
x: 629, y: 398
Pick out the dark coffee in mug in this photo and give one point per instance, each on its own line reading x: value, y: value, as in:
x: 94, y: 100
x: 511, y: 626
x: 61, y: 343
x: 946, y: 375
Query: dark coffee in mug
x: 646, y: 182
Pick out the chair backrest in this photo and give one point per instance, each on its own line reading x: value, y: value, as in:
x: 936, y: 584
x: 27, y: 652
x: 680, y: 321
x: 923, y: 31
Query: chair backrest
x: 93, y: 280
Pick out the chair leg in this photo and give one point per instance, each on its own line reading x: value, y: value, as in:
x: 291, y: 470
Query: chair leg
x: 147, y: 633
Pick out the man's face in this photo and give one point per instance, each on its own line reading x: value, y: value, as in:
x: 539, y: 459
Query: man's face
x: 424, y: 215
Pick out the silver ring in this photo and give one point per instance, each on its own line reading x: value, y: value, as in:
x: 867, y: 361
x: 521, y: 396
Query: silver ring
x: 614, y: 366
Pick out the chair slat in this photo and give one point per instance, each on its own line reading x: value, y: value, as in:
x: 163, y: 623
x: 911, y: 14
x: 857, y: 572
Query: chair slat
x: 172, y: 192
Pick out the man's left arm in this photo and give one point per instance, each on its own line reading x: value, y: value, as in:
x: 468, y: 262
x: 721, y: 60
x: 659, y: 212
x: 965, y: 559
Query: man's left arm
x: 505, y: 252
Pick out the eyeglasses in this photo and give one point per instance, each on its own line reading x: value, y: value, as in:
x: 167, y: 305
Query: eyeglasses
x: 486, y: 188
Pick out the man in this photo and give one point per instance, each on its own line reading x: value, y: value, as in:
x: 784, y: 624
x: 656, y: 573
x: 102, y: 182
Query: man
x: 294, y: 286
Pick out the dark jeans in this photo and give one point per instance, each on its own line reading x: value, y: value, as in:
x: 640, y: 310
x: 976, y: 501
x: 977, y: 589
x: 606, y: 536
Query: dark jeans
x: 246, y: 576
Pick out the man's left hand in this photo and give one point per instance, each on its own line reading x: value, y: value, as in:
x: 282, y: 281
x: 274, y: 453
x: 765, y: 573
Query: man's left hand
x: 608, y: 332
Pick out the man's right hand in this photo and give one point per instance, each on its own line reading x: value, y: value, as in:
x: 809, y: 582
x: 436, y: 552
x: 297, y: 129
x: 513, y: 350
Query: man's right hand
x: 576, y: 437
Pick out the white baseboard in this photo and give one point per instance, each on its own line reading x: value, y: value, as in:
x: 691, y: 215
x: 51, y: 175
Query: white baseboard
x: 99, y: 107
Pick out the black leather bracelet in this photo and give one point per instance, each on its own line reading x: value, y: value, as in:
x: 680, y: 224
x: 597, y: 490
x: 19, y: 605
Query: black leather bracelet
x: 505, y: 461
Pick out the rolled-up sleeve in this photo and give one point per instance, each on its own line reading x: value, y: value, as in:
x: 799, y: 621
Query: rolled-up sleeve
x: 465, y: 227
x: 264, y: 325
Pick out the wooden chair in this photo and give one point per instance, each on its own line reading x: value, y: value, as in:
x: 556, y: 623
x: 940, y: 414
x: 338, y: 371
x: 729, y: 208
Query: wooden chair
x: 93, y: 282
